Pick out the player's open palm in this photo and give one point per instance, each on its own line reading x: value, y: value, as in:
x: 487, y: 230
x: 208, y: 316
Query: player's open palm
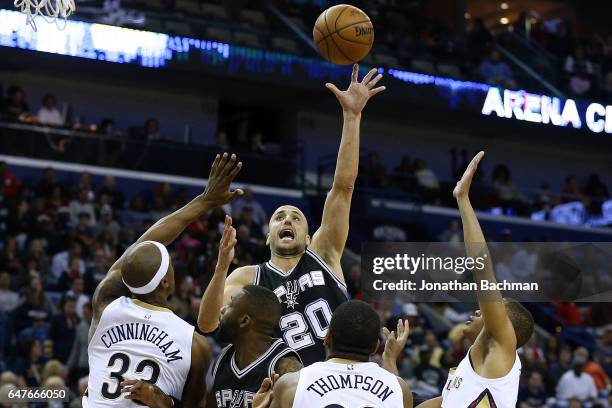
x: 223, y: 172
x: 462, y: 189
x: 226, y: 245
x: 354, y: 99
x: 396, y: 340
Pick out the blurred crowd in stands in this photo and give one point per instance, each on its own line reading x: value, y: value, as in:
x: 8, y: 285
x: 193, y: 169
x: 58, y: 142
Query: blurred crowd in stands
x: 59, y: 238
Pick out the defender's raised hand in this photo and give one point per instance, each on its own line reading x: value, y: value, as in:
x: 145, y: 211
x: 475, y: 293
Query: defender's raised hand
x: 263, y: 397
x: 462, y: 189
x: 354, y: 99
x: 396, y: 340
x: 226, y: 246
x: 224, y: 169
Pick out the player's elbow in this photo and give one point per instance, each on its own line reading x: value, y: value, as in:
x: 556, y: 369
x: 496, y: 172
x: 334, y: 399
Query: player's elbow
x: 343, y: 187
x: 206, y: 326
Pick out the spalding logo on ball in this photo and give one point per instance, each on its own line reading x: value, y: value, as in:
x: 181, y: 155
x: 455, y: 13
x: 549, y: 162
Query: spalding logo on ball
x: 343, y: 34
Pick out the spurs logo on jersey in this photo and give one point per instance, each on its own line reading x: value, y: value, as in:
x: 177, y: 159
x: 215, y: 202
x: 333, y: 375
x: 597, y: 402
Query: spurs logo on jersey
x: 309, y: 294
x: 235, y: 388
x: 327, y: 384
x: 135, y: 340
x: 465, y: 388
x: 291, y: 290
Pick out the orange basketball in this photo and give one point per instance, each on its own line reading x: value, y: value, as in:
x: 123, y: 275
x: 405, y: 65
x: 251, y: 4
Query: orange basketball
x: 343, y: 34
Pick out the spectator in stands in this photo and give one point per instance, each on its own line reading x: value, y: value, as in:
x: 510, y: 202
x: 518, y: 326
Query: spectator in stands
x: 428, y: 373
x: 429, y: 185
x: 247, y: 219
x: 77, y: 288
x: 78, y: 364
x: 82, y: 205
x: 559, y: 367
x: 480, y: 39
x: 247, y: 200
x: 180, y: 303
x: 376, y: 172
x: 136, y: 213
x: 151, y: 130
x: 62, y: 260
x: 16, y: 108
x: 257, y: 144
x: 9, y: 300
x: 222, y: 142
x: 597, y: 192
x: 575, y: 383
x: 29, y: 364
x: 48, y: 114
x: 63, y: 328
x: 403, y: 175
x: 10, y: 182
x: 353, y: 283
x: 110, y: 189
x: 36, y: 309
x: 572, y: 191
x: 107, y: 223
x: 47, y: 184
x: 452, y: 234
x: 508, y: 194
x: 578, y: 61
x: 532, y: 395
x: 496, y: 72
x: 595, y: 370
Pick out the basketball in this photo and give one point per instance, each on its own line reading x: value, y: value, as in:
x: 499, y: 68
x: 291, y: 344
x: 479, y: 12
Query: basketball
x: 343, y: 34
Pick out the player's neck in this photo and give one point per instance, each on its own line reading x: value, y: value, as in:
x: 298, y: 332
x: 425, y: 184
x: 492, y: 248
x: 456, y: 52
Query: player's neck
x: 339, y: 360
x: 250, y: 347
x: 285, y: 263
x: 153, y: 300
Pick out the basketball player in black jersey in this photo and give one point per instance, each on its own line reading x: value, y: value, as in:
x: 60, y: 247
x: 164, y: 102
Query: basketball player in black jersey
x: 247, y: 326
x: 304, y: 272
x: 138, y: 265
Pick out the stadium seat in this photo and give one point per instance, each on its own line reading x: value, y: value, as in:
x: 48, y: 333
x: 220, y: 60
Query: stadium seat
x: 214, y: 10
x: 255, y: 17
x: 285, y: 44
x: 248, y: 39
x: 449, y: 70
x: 386, y: 60
x: 175, y: 27
x: 423, y: 66
x: 193, y: 7
x: 218, y: 34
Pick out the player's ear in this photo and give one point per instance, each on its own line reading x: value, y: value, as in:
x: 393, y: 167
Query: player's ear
x: 307, y: 240
x: 245, y: 321
x: 327, y: 339
x: 376, y: 346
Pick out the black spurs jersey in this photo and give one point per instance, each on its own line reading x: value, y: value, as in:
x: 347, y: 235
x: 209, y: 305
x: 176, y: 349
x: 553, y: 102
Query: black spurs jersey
x: 309, y: 294
x: 235, y: 388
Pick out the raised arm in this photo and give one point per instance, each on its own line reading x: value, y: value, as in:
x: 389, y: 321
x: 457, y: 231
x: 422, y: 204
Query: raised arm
x: 331, y: 237
x: 497, y: 325
x: 216, y: 194
x: 212, y: 300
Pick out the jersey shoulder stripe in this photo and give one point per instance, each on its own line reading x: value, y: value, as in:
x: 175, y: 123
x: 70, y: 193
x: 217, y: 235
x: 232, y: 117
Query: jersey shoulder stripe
x: 219, y: 359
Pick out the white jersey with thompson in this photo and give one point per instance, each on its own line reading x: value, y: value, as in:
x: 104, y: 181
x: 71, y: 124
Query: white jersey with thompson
x: 137, y: 341
x: 464, y: 388
x: 327, y: 384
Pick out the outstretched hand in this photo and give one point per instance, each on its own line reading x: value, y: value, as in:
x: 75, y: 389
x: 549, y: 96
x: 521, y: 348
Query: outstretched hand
x: 354, y: 99
x: 462, y: 189
x: 222, y: 173
x: 226, y: 246
x: 396, y: 340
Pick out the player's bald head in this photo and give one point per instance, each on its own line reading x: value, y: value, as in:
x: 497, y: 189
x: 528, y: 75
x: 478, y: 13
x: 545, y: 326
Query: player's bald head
x: 288, y: 208
x: 141, y: 263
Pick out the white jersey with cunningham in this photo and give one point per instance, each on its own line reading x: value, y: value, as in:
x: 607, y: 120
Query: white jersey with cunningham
x: 466, y: 389
x: 137, y: 341
x: 327, y: 384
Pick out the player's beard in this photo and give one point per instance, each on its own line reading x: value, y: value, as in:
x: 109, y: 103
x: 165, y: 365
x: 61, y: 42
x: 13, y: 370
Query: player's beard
x: 226, y: 333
